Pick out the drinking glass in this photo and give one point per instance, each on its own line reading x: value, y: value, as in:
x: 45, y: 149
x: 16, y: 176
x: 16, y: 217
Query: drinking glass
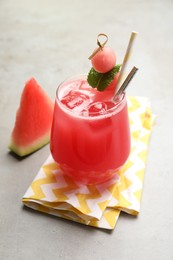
x: 89, y: 147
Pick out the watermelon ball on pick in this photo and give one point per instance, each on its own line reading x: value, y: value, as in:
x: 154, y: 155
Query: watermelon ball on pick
x: 104, y: 60
x: 33, y: 120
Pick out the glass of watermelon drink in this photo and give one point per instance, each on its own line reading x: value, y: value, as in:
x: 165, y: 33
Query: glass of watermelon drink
x: 90, y: 136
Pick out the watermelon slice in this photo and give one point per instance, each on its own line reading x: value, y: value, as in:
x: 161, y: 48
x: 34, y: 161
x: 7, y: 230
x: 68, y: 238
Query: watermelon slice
x: 33, y: 120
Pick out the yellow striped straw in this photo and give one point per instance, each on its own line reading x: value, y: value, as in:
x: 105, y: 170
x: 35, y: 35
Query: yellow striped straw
x: 126, y: 59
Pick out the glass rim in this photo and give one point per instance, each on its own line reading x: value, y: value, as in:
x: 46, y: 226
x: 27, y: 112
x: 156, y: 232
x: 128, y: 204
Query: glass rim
x: 94, y: 115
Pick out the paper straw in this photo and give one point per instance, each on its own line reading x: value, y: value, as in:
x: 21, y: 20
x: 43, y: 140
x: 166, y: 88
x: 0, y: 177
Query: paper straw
x: 126, y: 59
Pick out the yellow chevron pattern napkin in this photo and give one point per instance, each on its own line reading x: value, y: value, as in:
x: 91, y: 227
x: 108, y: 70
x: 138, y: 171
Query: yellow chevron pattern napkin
x: 97, y: 205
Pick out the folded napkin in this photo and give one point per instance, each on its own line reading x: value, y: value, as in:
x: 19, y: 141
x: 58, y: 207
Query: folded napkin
x: 97, y: 205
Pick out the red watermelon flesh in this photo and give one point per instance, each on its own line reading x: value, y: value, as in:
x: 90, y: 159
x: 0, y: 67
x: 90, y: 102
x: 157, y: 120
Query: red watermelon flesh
x: 33, y: 120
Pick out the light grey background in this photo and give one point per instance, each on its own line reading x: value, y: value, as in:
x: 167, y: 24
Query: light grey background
x: 51, y: 40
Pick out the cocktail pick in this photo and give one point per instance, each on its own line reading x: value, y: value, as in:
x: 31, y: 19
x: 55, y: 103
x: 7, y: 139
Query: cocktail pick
x: 101, y: 45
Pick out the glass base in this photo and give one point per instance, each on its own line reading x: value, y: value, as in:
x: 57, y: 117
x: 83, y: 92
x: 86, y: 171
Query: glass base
x: 88, y: 177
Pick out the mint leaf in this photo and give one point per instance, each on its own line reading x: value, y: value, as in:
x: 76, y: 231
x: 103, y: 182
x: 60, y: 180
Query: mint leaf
x: 102, y: 80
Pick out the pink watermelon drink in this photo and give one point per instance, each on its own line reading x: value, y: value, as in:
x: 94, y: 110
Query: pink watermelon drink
x: 90, y: 137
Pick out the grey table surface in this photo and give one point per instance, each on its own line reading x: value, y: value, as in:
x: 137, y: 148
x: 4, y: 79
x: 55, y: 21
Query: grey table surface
x: 51, y: 41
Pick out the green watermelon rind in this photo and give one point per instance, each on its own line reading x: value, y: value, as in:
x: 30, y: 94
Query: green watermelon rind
x: 28, y: 149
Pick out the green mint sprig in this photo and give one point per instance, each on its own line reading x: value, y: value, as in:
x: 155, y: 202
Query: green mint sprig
x: 102, y: 80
